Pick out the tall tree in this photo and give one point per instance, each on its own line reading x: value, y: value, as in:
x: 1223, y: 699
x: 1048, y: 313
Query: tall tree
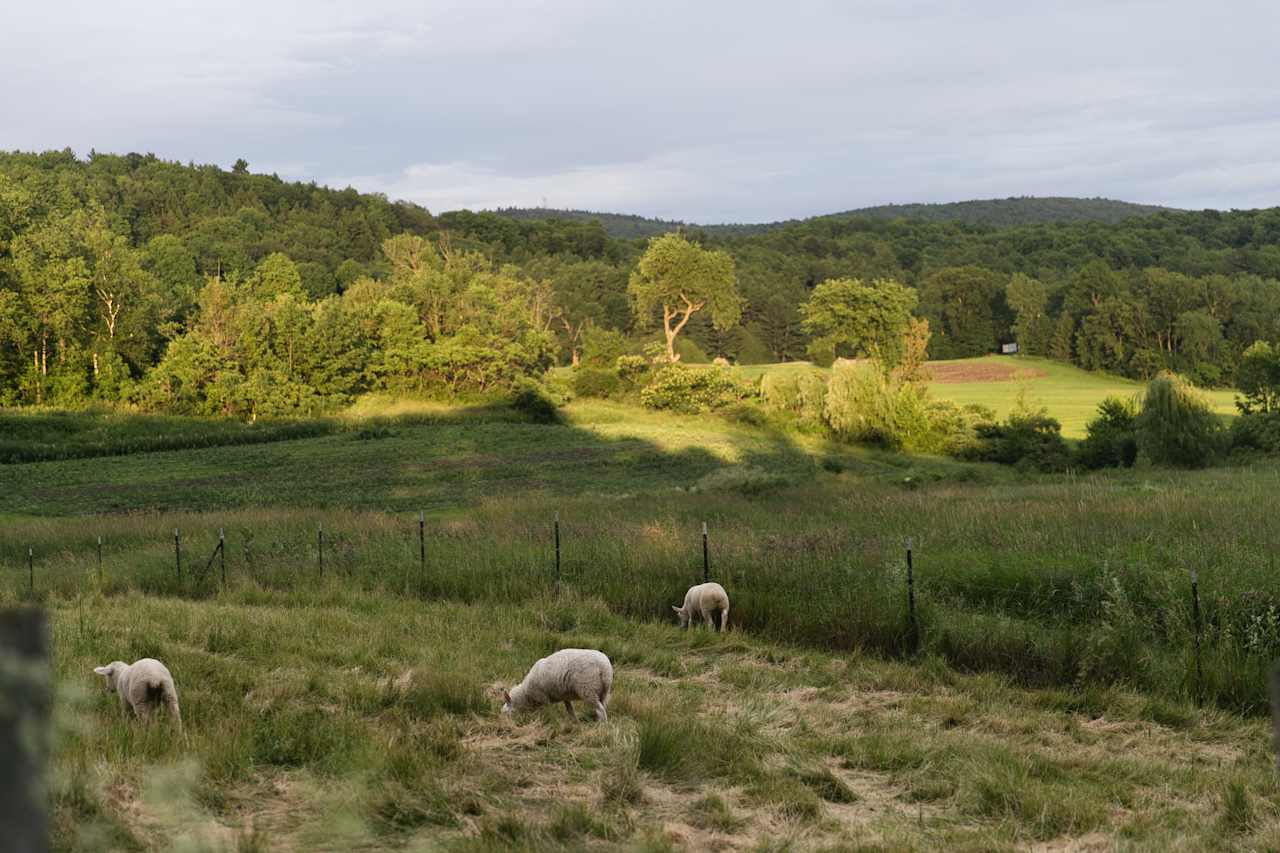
x: 1032, y: 325
x: 852, y: 317
x: 682, y: 278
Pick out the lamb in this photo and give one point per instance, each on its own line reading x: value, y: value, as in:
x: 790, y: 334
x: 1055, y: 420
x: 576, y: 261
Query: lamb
x: 582, y: 674
x: 704, y: 600
x: 142, y: 687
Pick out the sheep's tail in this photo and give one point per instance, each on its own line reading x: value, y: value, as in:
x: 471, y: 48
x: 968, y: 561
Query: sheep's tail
x: 155, y: 692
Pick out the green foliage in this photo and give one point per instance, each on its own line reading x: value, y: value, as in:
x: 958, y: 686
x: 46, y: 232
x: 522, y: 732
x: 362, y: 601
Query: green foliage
x: 1027, y: 439
x: 1259, y: 432
x: 1111, y: 438
x: 681, y: 278
x: 1176, y: 426
x: 535, y: 401
x: 854, y: 318
x: 602, y: 347
x: 692, y: 390
x: 596, y: 382
x: 800, y: 393
x: 1258, y: 378
x: 865, y: 403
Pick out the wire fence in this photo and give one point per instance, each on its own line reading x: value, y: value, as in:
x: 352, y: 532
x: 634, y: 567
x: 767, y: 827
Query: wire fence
x: 924, y: 595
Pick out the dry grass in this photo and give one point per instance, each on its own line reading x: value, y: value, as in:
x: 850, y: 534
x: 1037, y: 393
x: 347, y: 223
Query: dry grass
x: 368, y: 724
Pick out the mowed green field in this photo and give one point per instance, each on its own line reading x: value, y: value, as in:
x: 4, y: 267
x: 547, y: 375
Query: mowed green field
x: 1069, y: 394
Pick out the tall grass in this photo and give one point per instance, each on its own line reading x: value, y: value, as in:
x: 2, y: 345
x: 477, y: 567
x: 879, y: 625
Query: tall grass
x: 1073, y: 583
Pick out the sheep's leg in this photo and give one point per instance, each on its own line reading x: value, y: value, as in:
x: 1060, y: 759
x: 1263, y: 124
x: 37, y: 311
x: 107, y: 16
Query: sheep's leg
x: 568, y: 707
x: 171, y: 702
x: 709, y: 618
x: 724, y: 618
x: 601, y: 714
x: 144, y: 713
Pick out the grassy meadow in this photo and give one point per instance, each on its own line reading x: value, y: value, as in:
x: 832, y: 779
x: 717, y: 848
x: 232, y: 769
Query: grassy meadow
x: 1044, y: 693
x: 1070, y: 394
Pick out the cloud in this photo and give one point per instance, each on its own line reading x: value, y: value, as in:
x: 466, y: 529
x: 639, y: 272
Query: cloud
x: 712, y: 111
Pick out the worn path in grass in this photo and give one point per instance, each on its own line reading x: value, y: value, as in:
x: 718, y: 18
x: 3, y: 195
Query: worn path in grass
x: 333, y: 720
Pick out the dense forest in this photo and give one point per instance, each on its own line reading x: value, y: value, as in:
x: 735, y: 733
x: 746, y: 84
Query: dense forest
x: 1023, y: 210
x: 194, y: 288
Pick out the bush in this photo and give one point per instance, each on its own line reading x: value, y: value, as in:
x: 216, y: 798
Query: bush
x: 691, y: 390
x: 1029, y: 440
x: 1176, y: 426
x: 596, y: 382
x: 601, y: 347
x: 1258, y: 431
x: 632, y: 368
x: 535, y: 402
x: 797, y: 393
x: 865, y: 404
x: 1110, y: 439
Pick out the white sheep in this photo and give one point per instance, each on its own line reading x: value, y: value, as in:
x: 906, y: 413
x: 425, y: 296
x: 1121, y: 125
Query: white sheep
x: 582, y: 674
x: 704, y: 600
x: 142, y: 687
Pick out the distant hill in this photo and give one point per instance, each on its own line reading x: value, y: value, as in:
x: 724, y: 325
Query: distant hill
x: 996, y: 212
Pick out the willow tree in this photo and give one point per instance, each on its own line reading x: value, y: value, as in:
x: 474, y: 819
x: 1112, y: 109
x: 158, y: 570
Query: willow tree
x: 683, y: 278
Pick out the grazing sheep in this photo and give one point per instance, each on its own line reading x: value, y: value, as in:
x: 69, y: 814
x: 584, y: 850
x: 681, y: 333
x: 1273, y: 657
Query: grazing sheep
x: 142, y: 687
x: 704, y: 600
x: 582, y: 674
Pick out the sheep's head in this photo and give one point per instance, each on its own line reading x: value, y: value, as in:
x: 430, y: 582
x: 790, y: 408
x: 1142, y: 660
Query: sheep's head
x: 683, y: 614
x: 109, y: 674
x: 507, y: 705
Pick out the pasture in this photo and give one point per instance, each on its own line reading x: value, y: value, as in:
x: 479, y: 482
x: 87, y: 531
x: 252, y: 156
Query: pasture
x: 1000, y: 383
x: 1044, y: 691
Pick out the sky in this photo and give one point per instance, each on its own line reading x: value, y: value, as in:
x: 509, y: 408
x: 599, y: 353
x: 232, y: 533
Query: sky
x: 702, y: 111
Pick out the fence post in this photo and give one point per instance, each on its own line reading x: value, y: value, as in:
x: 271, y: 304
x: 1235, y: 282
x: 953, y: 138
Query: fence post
x: 706, y: 556
x: 1275, y: 710
x: 222, y: 556
x: 31, y: 571
x: 911, y: 597
x: 557, y: 529
x: 99, y: 561
x: 177, y: 553
x: 24, y: 729
x: 422, y: 545
x: 1195, y: 616
x: 320, y: 546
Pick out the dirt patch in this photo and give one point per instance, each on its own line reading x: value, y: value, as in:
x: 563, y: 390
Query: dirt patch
x: 982, y: 371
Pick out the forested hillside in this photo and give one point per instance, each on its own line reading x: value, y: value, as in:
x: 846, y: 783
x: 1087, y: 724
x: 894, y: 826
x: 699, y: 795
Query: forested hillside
x: 196, y: 289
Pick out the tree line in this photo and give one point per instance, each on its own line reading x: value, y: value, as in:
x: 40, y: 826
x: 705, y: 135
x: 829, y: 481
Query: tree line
x: 201, y: 289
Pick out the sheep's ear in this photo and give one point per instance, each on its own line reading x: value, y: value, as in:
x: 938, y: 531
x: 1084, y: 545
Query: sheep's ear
x: 506, y: 696
x: 102, y: 670
x: 677, y: 609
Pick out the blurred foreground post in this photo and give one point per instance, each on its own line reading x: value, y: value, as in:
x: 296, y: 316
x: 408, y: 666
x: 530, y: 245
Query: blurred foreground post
x: 24, y: 730
x: 177, y: 552
x: 1275, y: 711
x: 1195, y: 617
x: 911, y: 600
x: 422, y: 545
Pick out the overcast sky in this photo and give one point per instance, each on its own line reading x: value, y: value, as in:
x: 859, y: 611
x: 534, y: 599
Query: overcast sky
x: 703, y: 111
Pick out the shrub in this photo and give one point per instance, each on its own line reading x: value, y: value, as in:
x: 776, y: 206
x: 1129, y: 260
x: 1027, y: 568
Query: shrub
x: 797, y: 393
x: 1257, y: 432
x: 596, y: 382
x: 1110, y: 438
x: 865, y: 404
x: 690, y: 352
x: 632, y: 368
x: 1026, y: 439
x: 1176, y: 426
x: 535, y: 402
x: 682, y: 389
x: 601, y: 347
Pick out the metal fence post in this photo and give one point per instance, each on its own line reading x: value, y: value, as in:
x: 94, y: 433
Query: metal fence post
x: 31, y: 571
x: 177, y: 553
x: 911, y: 596
x: 706, y: 555
x: 222, y: 556
x: 99, y: 561
x: 557, y: 532
x: 320, y: 546
x: 1195, y: 616
x: 422, y: 544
